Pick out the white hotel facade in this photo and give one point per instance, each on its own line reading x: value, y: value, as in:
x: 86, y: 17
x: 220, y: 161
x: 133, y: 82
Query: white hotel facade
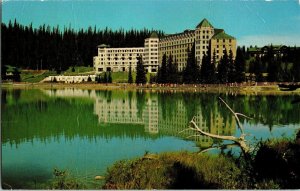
x: 120, y: 59
x: 208, y: 40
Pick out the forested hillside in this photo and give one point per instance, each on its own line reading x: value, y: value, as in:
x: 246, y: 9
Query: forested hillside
x: 58, y: 49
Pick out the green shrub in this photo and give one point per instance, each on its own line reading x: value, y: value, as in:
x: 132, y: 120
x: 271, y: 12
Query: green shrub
x: 278, y: 161
x: 63, y: 181
x: 181, y: 170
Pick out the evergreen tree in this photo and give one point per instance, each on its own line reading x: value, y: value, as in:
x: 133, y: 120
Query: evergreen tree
x: 54, y: 49
x: 208, y: 69
x: 171, y: 71
x: 191, y: 71
x: 16, y: 75
x: 240, y: 63
x: 175, y: 74
x: 162, y: 78
x: 296, y: 65
x: 109, y: 79
x: 257, y: 65
x: 204, y: 69
x: 89, y: 79
x: 3, y: 71
x: 212, y: 69
x: 55, y: 80
x: 223, y: 68
x: 130, y: 79
x: 272, y: 66
x: 105, y: 80
x: 152, y: 79
x: 140, y: 72
x: 231, y: 68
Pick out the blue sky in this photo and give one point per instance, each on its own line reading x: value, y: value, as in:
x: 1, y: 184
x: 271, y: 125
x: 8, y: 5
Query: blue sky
x: 251, y: 22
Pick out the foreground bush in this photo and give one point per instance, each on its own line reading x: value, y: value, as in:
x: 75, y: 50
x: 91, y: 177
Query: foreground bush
x: 279, y: 162
x: 182, y: 170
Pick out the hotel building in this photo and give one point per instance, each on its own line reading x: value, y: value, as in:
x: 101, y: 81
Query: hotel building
x: 206, y: 38
x: 120, y: 59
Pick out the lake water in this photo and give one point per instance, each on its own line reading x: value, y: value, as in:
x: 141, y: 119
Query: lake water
x: 86, y: 131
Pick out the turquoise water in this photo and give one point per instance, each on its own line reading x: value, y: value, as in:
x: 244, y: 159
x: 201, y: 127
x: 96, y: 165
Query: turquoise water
x: 86, y: 131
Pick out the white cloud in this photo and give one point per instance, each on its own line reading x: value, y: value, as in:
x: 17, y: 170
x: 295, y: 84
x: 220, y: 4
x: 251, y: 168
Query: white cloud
x: 261, y: 40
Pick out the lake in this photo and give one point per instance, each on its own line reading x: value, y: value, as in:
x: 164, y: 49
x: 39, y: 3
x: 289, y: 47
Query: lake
x: 86, y: 131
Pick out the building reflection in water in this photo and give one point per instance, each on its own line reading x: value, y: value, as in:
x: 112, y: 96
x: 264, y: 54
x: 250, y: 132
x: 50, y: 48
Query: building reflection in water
x: 131, y: 107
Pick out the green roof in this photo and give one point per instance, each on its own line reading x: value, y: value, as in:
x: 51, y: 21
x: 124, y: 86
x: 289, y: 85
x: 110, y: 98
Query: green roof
x: 154, y: 35
x: 204, y: 23
x: 222, y: 35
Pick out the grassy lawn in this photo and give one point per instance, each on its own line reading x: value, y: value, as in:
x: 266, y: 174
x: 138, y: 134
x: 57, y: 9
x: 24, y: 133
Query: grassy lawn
x: 122, y: 77
x: 79, y: 70
x: 33, y: 76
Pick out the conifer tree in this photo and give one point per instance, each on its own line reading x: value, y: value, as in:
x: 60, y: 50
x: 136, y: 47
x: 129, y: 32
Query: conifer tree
x: 171, y: 71
x: 208, y: 69
x: 212, y: 69
x: 223, y: 68
x: 3, y: 71
x: 140, y: 72
x: 191, y: 71
x: 175, y: 74
x: 105, y: 80
x: 204, y: 69
x: 240, y: 62
x: 130, y: 79
x: 296, y: 65
x: 162, y: 78
x: 98, y: 79
x: 257, y: 69
x: 109, y: 79
x: 231, y: 68
x: 272, y: 68
x: 16, y: 75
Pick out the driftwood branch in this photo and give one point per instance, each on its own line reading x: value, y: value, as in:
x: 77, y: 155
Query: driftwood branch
x: 240, y: 141
x: 236, y: 116
x: 226, y: 146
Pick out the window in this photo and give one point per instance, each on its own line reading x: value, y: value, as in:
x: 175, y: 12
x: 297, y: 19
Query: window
x: 100, y: 69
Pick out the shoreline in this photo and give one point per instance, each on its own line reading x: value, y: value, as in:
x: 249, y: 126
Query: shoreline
x: 239, y: 89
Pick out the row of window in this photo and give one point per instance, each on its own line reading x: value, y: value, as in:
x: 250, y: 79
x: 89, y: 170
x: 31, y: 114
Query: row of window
x: 152, y: 62
x: 125, y: 50
x: 177, y: 42
x: 202, y: 31
x: 151, y: 45
x: 123, y: 58
x: 203, y: 41
x: 176, y: 47
x: 116, y: 63
x: 203, y: 47
x: 118, y: 55
x: 151, y: 41
x: 199, y: 52
x: 224, y: 40
x: 203, y: 37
